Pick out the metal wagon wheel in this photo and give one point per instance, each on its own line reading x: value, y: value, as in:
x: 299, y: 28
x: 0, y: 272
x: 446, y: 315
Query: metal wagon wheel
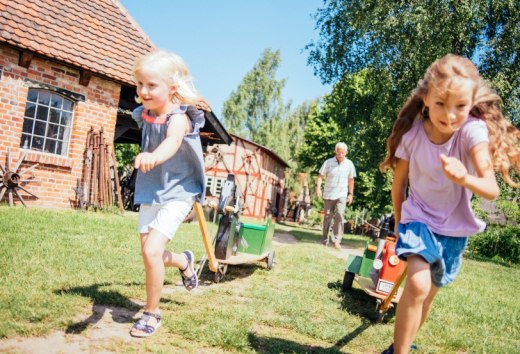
x: 12, y: 180
x: 128, y: 190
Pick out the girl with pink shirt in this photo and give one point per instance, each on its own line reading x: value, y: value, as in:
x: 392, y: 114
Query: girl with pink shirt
x: 446, y: 144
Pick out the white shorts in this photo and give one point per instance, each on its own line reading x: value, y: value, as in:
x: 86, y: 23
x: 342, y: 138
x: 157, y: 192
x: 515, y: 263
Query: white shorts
x: 165, y: 218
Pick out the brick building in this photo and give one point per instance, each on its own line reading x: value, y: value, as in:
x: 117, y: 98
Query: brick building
x: 65, y: 67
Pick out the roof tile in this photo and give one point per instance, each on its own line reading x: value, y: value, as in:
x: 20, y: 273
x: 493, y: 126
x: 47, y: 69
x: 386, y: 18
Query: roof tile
x: 98, y: 35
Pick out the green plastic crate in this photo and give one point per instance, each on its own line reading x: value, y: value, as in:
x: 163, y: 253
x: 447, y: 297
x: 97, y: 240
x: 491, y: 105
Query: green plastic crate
x: 258, y: 237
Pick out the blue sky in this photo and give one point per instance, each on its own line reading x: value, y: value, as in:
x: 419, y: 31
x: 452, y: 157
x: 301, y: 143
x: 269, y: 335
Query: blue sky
x: 221, y: 40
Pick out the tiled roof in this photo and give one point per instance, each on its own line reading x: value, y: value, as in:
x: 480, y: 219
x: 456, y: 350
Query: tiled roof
x: 96, y: 35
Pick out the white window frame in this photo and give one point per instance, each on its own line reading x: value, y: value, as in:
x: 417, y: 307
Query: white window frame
x: 215, y: 185
x: 48, y: 121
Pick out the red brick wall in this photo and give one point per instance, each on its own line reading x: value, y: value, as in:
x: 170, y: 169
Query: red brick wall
x: 57, y: 175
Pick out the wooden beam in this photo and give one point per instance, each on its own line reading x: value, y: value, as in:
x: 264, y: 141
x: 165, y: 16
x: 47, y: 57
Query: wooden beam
x: 25, y: 59
x: 84, y: 77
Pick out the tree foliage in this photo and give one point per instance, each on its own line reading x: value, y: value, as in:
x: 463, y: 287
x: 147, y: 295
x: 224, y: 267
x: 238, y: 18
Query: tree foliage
x: 256, y: 111
x: 256, y: 107
x: 404, y: 37
x: 376, y: 51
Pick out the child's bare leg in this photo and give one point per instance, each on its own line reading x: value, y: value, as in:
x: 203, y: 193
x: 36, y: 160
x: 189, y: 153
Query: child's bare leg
x: 153, y: 245
x: 411, y: 311
x: 177, y: 260
x: 152, y: 249
x: 428, y: 304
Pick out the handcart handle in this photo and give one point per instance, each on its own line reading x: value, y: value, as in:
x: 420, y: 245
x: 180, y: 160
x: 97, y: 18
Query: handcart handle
x: 212, y: 261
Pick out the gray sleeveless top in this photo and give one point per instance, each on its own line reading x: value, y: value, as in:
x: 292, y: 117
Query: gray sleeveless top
x: 182, y: 176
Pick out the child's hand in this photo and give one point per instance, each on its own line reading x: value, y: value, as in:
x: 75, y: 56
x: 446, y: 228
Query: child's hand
x: 454, y: 169
x: 145, y: 161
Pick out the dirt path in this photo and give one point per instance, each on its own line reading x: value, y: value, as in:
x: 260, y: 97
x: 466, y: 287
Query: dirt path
x: 106, y: 323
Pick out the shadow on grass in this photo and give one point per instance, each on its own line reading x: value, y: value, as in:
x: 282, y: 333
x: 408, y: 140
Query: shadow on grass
x: 358, y: 303
x: 122, y: 308
x: 306, y: 235
x: 233, y: 272
x: 279, y: 345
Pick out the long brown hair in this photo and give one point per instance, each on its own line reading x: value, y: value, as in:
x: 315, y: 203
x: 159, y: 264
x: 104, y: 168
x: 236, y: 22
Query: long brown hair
x: 504, y: 138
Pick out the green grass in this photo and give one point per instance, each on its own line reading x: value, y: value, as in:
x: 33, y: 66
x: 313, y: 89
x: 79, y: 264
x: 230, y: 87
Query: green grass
x: 55, y: 265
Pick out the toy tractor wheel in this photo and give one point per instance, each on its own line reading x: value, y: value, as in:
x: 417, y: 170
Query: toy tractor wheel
x: 348, y: 279
x: 271, y: 260
x: 220, y: 273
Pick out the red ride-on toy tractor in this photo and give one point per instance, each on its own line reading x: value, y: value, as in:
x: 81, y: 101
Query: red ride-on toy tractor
x: 379, y: 271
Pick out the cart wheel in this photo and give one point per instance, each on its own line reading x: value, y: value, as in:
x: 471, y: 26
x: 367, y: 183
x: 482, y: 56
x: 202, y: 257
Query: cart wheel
x: 271, y: 260
x: 348, y: 279
x: 380, y: 316
x: 219, y: 274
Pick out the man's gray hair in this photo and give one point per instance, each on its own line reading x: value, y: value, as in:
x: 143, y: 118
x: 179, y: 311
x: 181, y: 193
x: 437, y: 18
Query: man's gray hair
x: 341, y: 145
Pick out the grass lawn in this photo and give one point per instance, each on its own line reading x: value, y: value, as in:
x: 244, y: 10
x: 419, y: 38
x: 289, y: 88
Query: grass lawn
x: 56, y: 265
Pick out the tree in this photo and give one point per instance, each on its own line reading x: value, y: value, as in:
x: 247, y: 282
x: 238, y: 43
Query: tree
x: 404, y: 37
x: 289, y: 139
x: 256, y: 108
x: 256, y: 111
x: 343, y: 116
x: 384, y: 47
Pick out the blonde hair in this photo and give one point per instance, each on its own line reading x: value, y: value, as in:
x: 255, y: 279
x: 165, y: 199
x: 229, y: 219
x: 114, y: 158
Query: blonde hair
x: 504, y: 138
x: 175, y: 72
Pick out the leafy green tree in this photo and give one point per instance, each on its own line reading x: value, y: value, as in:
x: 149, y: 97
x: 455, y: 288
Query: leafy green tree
x: 256, y: 108
x: 125, y: 155
x: 376, y: 51
x: 256, y: 111
x: 289, y: 139
x: 404, y: 37
x: 343, y: 116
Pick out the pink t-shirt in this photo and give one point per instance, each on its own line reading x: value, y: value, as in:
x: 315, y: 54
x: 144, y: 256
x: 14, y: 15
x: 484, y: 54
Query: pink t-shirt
x: 432, y: 198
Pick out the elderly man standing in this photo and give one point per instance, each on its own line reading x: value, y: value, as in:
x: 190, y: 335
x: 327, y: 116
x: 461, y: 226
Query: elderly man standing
x: 339, y: 173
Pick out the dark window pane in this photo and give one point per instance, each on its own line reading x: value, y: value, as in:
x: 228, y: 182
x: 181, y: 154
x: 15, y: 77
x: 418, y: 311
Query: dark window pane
x: 56, y: 101
x: 39, y: 128
x: 26, y: 141
x: 44, y: 97
x: 67, y: 105
x: 47, y: 122
x: 65, y: 134
x: 66, y: 118
x: 37, y: 143
x: 42, y: 113
x: 54, y: 117
x: 50, y: 146
x: 28, y: 125
x: 32, y: 96
x: 52, y: 131
x: 30, y: 110
x: 61, y: 148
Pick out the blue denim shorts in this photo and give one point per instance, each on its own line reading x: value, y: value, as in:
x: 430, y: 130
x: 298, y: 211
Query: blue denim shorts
x: 443, y: 253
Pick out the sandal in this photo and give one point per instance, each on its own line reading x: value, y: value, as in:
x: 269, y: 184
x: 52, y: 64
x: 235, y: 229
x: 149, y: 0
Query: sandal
x: 390, y: 349
x: 142, y: 325
x: 190, y: 282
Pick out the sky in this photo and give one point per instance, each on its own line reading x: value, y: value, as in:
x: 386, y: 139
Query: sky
x: 221, y: 41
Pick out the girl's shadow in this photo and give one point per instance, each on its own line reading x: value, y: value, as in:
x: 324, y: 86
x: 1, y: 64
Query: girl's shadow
x: 121, y: 308
x: 356, y: 302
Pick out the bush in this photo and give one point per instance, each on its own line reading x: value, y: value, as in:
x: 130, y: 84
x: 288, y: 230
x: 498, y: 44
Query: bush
x: 498, y: 243
x: 315, y: 218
